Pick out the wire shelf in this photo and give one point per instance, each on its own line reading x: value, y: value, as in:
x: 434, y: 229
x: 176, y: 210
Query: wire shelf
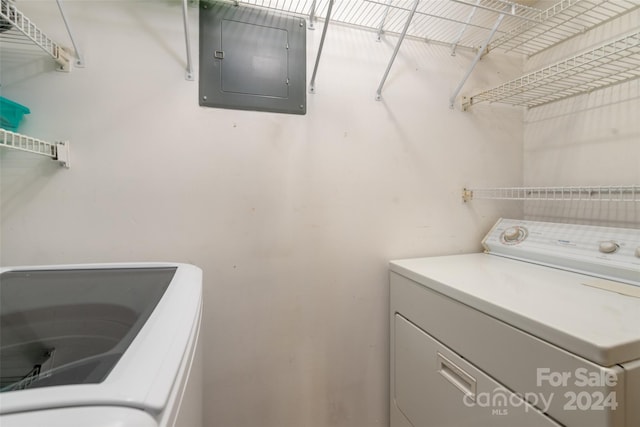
x: 612, y: 63
x: 560, y: 22
x: 15, y: 27
x: 57, y: 150
x: 619, y: 193
x: 439, y: 21
x: 467, y: 23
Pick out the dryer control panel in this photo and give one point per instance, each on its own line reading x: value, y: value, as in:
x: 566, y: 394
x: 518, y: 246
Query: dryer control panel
x: 608, y: 252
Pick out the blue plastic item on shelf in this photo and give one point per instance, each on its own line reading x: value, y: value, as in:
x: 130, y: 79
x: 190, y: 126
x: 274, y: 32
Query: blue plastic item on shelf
x: 11, y: 114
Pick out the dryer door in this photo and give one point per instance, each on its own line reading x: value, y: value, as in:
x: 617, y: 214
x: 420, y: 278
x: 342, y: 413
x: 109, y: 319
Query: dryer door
x: 434, y: 387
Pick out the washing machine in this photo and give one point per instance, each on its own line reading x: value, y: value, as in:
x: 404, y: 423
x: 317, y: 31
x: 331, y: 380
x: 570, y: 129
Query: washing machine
x: 540, y: 330
x: 101, y: 345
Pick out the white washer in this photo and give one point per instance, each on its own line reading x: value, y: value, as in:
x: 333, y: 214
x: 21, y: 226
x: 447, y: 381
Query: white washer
x: 543, y: 329
x: 101, y: 345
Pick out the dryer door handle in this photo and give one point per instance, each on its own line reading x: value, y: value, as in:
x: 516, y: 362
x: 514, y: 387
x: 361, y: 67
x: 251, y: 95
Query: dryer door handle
x: 457, y: 376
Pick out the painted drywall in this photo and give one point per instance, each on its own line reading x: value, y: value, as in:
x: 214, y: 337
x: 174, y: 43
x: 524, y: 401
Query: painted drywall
x: 587, y: 140
x: 292, y: 218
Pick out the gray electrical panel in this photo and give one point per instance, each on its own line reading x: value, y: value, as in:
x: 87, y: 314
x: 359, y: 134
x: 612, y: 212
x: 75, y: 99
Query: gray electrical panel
x: 252, y: 59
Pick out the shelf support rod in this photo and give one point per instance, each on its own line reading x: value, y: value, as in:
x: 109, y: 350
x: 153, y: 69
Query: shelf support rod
x: 312, y: 15
x: 395, y: 51
x: 464, y: 28
x: 481, y: 52
x: 384, y: 19
x: 187, y: 39
x: 312, y: 85
x: 79, y: 55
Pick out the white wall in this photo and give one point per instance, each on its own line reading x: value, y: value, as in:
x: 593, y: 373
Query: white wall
x: 591, y: 139
x: 292, y: 218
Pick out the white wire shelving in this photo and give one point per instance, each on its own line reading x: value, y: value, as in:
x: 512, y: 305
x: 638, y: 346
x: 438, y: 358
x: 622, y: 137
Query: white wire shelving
x: 55, y: 150
x: 612, y: 63
x: 616, y: 193
x: 466, y: 23
x: 481, y: 26
x: 560, y: 22
x: 435, y: 21
x: 16, y: 28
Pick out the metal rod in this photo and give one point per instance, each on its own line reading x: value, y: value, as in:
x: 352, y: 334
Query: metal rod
x: 475, y: 60
x: 312, y: 15
x: 187, y: 39
x: 312, y: 85
x: 463, y: 29
x: 79, y: 56
x: 384, y: 18
x: 395, y: 51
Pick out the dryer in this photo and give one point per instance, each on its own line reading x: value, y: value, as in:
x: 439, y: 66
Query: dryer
x: 542, y: 329
x: 101, y: 345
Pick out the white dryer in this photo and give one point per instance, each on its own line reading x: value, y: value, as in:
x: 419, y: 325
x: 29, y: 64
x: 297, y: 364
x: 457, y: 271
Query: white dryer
x: 101, y: 345
x: 543, y: 329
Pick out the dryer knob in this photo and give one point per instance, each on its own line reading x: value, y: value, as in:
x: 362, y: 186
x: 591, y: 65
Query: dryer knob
x: 608, y: 247
x: 638, y: 252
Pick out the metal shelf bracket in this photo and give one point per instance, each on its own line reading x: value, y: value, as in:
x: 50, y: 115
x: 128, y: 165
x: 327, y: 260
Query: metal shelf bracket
x: 63, y: 154
x: 467, y: 195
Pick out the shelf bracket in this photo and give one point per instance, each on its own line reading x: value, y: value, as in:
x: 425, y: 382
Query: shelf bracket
x: 63, y: 154
x: 481, y: 52
x: 312, y: 85
x: 57, y: 150
x: 467, y: 195
x: 397, y: 48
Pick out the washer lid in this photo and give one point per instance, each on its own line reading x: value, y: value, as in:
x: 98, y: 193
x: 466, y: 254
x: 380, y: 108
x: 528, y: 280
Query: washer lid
x: 564, y: 308
x: 112, y: 334
x: 86, y: 416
